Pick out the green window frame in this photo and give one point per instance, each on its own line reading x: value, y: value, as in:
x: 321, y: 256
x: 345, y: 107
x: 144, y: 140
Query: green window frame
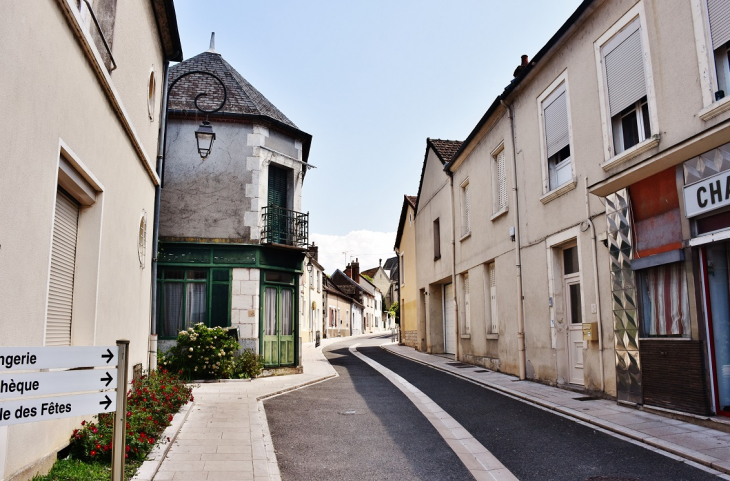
x: 189, y: 295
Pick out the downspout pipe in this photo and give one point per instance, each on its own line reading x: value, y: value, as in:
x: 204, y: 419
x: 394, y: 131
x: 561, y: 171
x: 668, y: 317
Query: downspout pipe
x: 518, y: 250
x: 156, y: 223
x: 453, y: 266
x: 594, y: 255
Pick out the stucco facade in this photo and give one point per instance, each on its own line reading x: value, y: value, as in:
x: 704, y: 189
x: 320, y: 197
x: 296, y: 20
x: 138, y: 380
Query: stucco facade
x: 91, y: 131
x: 405, y: 249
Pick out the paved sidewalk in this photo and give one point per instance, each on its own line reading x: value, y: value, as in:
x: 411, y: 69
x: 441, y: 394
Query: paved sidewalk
x: 708, y: 447
x: 226, y: 436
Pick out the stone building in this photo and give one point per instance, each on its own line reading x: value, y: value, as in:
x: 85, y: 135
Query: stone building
x: 83, y: 107
x: 232, y: 235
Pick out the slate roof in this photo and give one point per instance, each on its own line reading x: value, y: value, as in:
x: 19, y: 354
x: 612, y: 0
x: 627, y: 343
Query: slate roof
x: 242, y: 97
x: 391, y: 262
x: 445, y: 149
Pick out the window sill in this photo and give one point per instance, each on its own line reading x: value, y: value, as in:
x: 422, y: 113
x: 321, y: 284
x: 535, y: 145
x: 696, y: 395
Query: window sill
x: 465, y: 236
x: 715, y: 109
x: 499, y: 214
x: 634, y: 151
x: 466, y: 336
x: 562, y: 190
x: 492, y: 336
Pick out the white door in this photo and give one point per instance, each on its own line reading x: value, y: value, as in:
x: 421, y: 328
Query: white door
x: 575, y: 329
x: 449, y: 320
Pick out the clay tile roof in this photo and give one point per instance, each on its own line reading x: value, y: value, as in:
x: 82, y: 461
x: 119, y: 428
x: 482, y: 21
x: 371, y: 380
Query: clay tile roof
x: 243, y: 98
x: 445, y: 149
x: 412, y: 200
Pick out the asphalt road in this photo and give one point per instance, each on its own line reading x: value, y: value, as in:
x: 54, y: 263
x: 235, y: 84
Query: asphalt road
x: 388, y: 438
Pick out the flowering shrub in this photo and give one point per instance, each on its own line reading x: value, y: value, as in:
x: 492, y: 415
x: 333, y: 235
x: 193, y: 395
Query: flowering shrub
x: 202, y: 353
x: 151, y: 404
x: 248, y: 365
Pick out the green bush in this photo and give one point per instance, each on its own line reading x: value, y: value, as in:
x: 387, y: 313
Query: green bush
x: 248, y: 365
x: 151, y: 404
x: 201, y: 353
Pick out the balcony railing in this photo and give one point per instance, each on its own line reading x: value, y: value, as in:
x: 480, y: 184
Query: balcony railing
x: 284, y: 226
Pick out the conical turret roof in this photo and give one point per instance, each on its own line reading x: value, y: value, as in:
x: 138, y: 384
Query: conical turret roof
x: 242, y: 97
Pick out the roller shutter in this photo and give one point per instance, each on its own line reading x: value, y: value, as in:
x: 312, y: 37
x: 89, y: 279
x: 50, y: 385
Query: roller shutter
x: 719, y: 13
x: 555, y: 109
x: 624, y: 63
x: 63, y: 266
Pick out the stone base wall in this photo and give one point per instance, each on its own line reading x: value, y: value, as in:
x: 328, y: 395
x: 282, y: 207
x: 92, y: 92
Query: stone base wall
x: 245, y: 288
x: 490, y: 363
x: 410, y: 338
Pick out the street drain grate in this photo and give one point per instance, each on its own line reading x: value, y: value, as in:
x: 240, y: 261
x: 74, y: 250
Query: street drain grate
x: 610, y: 478
x: 465, y: 366
x: 481, y: 370
x: 586, y: 398
x: 455, y: 364
x: 349, y: 412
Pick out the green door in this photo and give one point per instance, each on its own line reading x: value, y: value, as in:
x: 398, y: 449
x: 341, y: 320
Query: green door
x: 278, y: 335
x: 277, y: 196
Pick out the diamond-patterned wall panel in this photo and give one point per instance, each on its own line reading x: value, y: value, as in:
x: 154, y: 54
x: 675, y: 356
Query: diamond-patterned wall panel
x: 707, y: 164
x: 623, y: 290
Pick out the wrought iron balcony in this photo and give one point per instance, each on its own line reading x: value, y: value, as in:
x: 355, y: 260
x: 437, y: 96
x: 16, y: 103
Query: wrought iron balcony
x: 284, y: 226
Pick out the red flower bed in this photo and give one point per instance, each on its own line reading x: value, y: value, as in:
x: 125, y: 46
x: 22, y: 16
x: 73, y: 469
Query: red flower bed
x: 151, y: 403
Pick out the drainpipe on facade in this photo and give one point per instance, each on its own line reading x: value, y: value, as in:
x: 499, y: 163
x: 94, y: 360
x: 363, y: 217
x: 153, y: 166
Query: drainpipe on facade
x: 595, y: 283
x: 453, y: 266
x: 156, y: 223
x: 518, y: 251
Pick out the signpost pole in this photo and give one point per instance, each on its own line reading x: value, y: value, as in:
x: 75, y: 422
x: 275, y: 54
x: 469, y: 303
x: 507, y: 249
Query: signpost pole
x: 120, y: 416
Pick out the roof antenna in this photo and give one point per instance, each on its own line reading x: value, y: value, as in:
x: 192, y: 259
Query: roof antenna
x: 212, y: 43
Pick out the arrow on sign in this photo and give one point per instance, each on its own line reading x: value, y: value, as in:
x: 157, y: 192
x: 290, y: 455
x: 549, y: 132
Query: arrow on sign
x: 108, y: 379
x: 106, y: 403
x: 109, y: 356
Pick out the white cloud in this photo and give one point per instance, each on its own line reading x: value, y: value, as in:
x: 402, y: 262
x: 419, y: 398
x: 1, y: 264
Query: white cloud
x: 366, y: 245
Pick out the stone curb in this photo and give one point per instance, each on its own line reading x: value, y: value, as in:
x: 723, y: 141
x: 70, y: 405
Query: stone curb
x: 672, y: 448
x: 148, y: 470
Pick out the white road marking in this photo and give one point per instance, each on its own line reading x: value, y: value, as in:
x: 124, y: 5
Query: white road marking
x: 477, y: 459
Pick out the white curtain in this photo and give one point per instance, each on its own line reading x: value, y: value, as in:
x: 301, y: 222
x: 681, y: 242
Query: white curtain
x: 270, y: 306
x: 286, y: 312
x: 666, y: 303
x: 172, y: 318
x: 195, y: 304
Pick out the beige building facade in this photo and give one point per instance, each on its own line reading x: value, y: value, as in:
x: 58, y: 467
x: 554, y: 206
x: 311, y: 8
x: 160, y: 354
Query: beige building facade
x: 405, y: 249
x: 85, y: 123
x: 590, y: 213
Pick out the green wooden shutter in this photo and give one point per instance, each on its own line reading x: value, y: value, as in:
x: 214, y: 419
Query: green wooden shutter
x: 277, y: 186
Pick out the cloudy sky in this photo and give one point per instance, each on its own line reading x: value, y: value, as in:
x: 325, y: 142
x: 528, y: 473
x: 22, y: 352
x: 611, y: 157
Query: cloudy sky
x: 371, y: 80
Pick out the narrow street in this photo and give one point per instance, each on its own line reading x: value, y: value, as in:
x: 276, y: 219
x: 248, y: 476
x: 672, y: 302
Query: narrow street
x: 361, y: 426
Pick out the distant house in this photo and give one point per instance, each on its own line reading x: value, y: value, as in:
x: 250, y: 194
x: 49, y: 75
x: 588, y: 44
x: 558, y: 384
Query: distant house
x: 232, y: 235
x: 364, y: 293
x: 340, y: 310
x: 311, y: 297
x: 382, y: 281
x: 405, y: 248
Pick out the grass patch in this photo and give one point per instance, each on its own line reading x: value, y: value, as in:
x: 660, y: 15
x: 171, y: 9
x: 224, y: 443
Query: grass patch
x: 75, y: 470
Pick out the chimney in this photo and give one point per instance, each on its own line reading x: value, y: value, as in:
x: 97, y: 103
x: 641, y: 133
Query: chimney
x: 348, y: 271
x: 523, y: 64
x: 380, y: 262
x: 356, y: 270
x: 212, y: 43
x: 314, y: 251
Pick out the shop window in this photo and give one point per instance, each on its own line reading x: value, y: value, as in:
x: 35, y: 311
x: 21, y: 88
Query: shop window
x: 664, y: 301
x: 191, y: 296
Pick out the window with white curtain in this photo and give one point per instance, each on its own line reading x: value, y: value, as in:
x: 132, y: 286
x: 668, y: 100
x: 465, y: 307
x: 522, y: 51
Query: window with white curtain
x: 557, y: 137
x: 718, y: 14
x: 623, y: 68
x: 664, y: 301
x: 499, y: 182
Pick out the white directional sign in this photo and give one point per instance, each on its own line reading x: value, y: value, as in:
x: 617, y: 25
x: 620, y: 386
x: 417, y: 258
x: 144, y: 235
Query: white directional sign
x: 45, y: 383
x: 54, y: 407
x: 31, y: 358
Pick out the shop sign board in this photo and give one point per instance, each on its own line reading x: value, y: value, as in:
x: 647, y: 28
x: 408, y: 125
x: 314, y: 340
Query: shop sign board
x: 707, y: 195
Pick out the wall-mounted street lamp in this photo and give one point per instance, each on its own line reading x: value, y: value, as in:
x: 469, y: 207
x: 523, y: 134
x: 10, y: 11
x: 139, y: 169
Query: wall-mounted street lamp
x: 204, y: 136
